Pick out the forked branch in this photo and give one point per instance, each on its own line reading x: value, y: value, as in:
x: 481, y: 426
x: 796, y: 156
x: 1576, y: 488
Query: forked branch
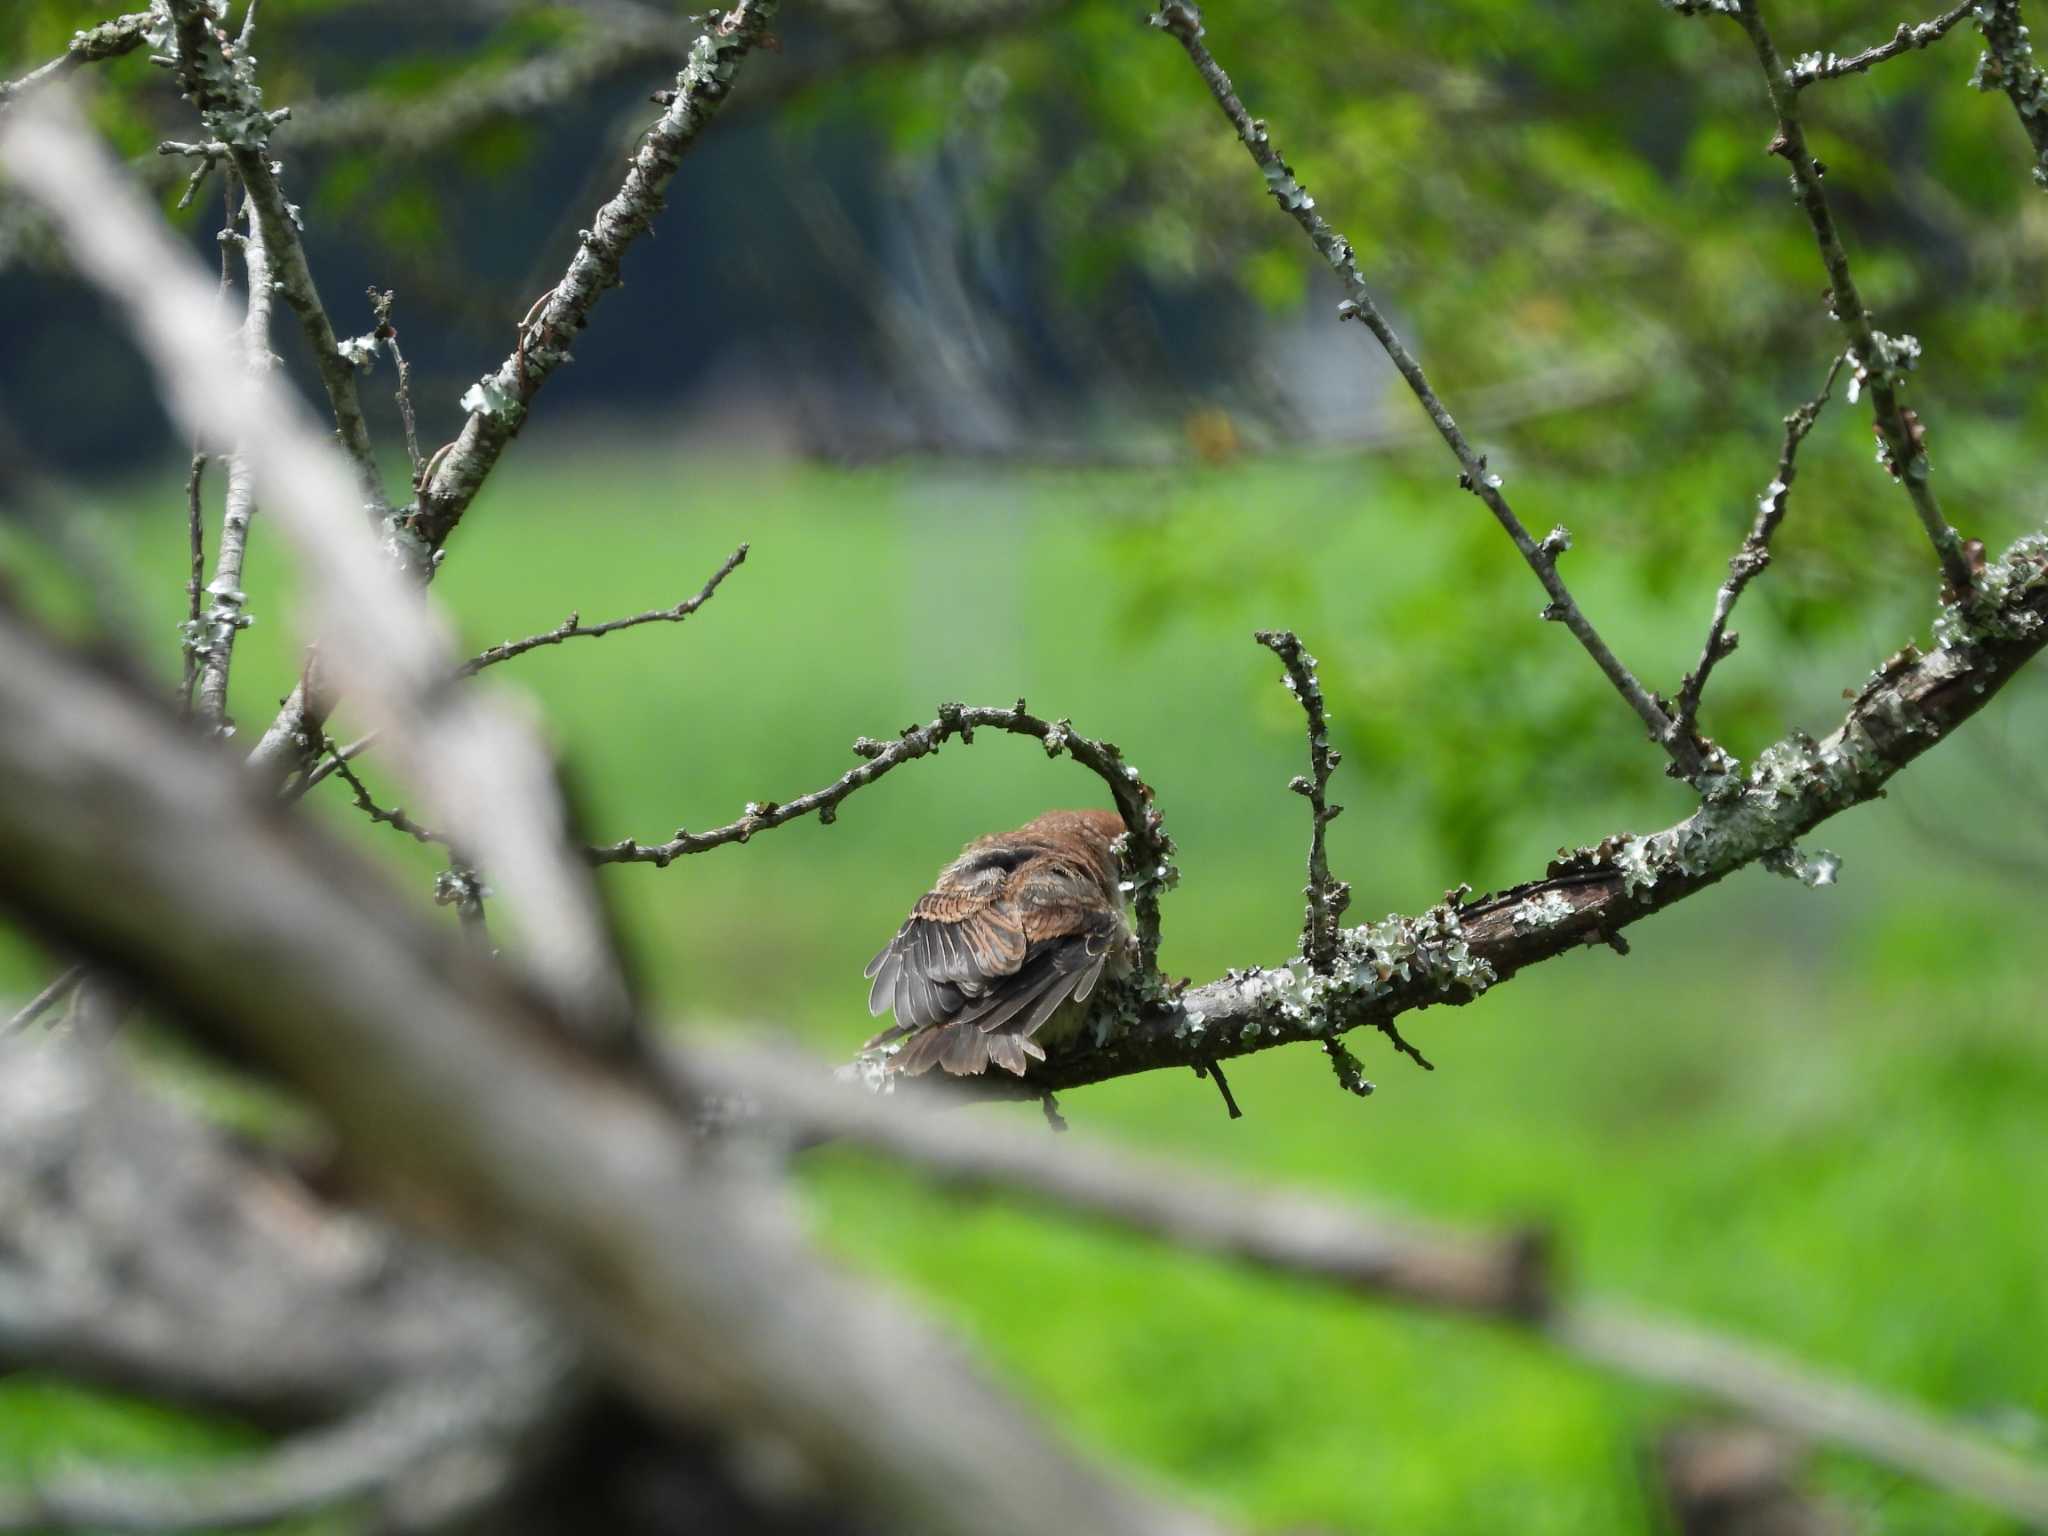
x: 1880, y: 361
x: 1184, y: 23
x: 1749, y: 561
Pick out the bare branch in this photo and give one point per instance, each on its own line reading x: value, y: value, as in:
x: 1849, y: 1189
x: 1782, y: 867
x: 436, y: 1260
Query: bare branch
x: 365, y: 1455
x: 1149, y: 850
x: 193, y: 634
x: 1184, y: 23
x: 150, y: 1254
x: 463, y: 749
x: 394, y: 818
x: 498, y: 403
x: 1755, y: 554
x: 43, y: 1001
x: 1327, y: 896
x: 386, y: 332
x: 1504, y: 1276
x: 226, y: 616
x: 219, y: 78
x: 1802, y: 1402
x: 2008, y: 65
x: 108, y: 40
x: 1810, y: 67
x: 574, y: 628
x: 1880, y: 362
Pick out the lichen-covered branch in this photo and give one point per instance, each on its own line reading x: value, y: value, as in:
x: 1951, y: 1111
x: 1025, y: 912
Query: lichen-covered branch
x: 1148, y: 855
x: 1184, y: 23
x: 573, y: 627
x: 1880, y: 362
x: 1327, y: 895
x: 1454, y: 952
x: 2008, y: 65
x: 497, y: 403
x: 1809, y: 67
x: 1749, y: 561
x: 219, y: 77
x: 108, y: 40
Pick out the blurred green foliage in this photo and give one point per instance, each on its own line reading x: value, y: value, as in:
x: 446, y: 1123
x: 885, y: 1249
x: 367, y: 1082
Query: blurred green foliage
x: 1812, y: 1117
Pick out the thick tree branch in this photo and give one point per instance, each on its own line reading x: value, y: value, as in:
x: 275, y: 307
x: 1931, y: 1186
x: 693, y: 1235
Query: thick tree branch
x: 1184, y: 23
x: 498, y: 402
x: 1749, y: 561
x: 1810, y: 67
x: 573, y: 627
x: 1148, y: 856
x: 458, y: 1091
x: 1880, y: 361
x: 108, y: 40
x: 1454, y: 952
x: 1503, y: 1276
x: 219, y: 77
x: 150, y: 1254
x: 363, y: 1457
x: 470, y: 754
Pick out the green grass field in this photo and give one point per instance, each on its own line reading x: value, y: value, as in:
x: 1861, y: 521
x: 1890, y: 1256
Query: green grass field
x: 1817, y: 1118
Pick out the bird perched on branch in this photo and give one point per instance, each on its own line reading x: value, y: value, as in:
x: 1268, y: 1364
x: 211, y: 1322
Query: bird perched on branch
x: 1021, y: 923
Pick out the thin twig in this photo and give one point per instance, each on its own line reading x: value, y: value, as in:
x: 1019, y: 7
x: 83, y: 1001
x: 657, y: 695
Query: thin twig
x: 573, y: 627
x: 43, y: 1001
x: 108, y: 40
x: 195, y: 540
x: 1213, y: 1070
x: 330, y: 765
x: 1749, y: 561
x: 395, y: 817
x: 1814, y: 66
x: 1149, y: 850
x: 387, y: 333
x: 1327, y: 896
x: 1184, y: 24
x: 1880, y: 361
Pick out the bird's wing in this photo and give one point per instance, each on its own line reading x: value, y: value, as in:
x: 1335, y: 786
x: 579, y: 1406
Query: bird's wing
x: 960, y: 940
x: 986, y: 958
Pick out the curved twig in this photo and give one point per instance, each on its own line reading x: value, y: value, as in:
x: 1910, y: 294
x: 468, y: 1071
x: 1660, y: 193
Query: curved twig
x: 1149, y: 850
x: 573, y: 627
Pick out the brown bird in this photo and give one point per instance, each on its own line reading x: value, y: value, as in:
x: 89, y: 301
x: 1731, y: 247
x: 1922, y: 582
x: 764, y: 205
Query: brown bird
x: 1019, y: 924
